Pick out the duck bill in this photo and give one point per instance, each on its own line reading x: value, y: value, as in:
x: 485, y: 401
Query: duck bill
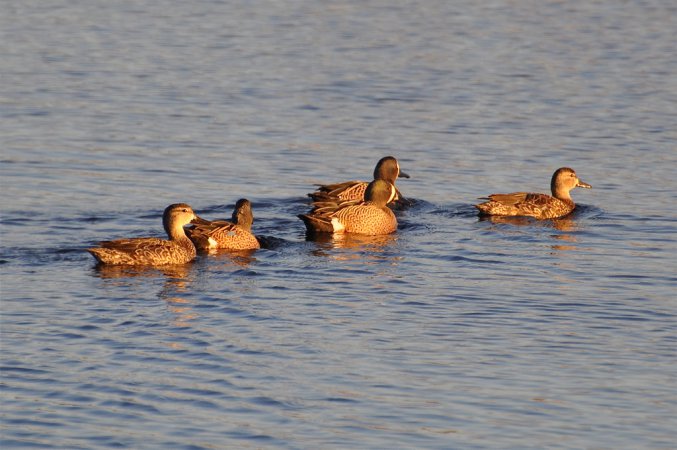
x: 403, y: 175
x: 583, y: 185
x: 199, y: 221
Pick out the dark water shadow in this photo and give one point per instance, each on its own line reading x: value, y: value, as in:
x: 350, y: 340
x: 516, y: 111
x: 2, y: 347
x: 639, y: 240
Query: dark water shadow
x: 453, y: 210
x: 272, y: 242
x: 426, y: 217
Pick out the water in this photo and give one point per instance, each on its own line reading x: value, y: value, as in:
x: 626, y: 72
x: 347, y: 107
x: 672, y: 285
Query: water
x: 452, y: 333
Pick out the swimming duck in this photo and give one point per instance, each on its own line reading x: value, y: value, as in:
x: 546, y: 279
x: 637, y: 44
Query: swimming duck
x: 540, y: 206
x: 371, y: 216
x: 387, y: 169
x: 235, y: 235
x: 153, y: 251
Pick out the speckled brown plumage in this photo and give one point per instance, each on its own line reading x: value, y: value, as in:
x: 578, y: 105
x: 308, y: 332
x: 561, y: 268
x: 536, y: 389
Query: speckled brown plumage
x: 371, y: 217
x: 540, y: 206
x: 235, y: 235
x: 387, y: 169
x: 153, y: 251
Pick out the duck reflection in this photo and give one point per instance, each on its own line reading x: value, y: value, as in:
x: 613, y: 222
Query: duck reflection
x: 566, y: 225
x: 561, y: 224
x: 178, y: 280
x: 326, y: 242
x: 237, y: 258
x: 373, y: 243
x: 174, y: 291
x: 127, y: 271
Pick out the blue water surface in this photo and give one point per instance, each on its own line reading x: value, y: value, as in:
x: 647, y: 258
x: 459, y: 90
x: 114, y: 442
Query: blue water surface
x: 453, y: 332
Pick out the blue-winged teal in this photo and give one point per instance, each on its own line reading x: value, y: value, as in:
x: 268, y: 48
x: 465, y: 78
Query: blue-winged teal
x: 370, y: 216
x: 153, y: 251
x: 387, y: 169
x: 235, y: 235
x: 540, y: 206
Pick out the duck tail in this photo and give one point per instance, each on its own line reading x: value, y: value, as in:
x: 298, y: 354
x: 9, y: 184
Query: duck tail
x: 484, y: 208
x: 316, y: 224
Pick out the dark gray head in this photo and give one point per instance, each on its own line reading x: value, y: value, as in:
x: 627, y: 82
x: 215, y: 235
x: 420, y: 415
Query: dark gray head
x: 380, y: 192
x: 388, y: 169
x: 242, y: 215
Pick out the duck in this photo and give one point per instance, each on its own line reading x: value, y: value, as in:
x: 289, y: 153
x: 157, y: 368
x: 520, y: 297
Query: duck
x: 387, y: 169
x: 369, y: 217
x: 539, y: 206
x: 221, y: 234
x: 150, y: 251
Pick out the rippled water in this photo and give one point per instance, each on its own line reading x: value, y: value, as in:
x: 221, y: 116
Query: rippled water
x: 451, y: 333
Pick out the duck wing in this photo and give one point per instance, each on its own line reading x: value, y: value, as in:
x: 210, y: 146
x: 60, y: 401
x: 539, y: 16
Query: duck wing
x: 153, y: 251
x: 331, y: 206
x: 509, y: 199
x: 211, y: 227
x: 348, y: 190
x: 134, y: 244
x: 537, y: 200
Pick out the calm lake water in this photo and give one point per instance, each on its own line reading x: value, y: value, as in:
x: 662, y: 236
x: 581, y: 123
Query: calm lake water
x: 451, y: 333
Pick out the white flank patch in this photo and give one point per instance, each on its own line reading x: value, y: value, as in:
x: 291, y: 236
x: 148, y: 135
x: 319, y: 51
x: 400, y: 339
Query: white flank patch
x: 393, y: 193
x: 338, y: 226
x: 213, y: 243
